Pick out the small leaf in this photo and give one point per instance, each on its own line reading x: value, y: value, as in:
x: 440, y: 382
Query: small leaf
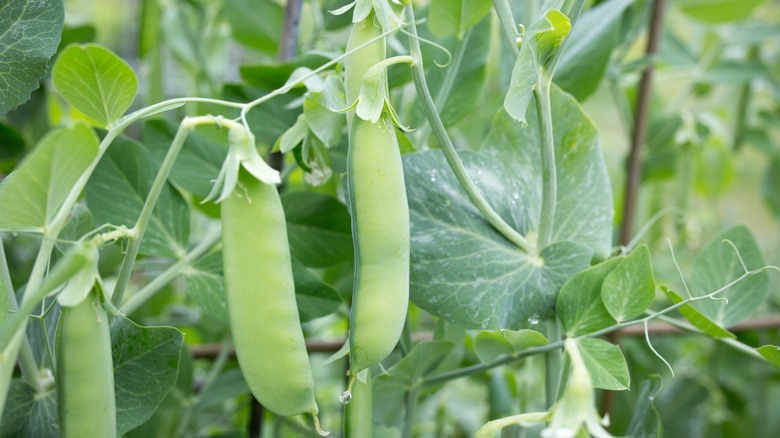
x: 696, y: 318
x: 294, y: 136
x: 455, y: 17
x: 39, y: 186
x: 488, y: 345
x: 770, y: 353
x: 630, y: 288
x: 605, y: 363
x: 324, y: 123
x: 579, y: 305
x: 718, y: 265
x: 29, y: 36
x: 541, y: 41
x: 28, y: 414
x: 146, y: 364
x: 95, y: 81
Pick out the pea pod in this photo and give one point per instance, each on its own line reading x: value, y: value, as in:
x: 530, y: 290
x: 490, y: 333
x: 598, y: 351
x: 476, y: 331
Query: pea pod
x: 380, y: 229
x: 85, y: 371
x: 358, y: 64
x: 264, y: 317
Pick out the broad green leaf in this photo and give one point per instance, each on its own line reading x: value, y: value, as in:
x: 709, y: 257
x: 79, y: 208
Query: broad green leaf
x: 630, y: 288
x: 584, y: 215
x: 589, y: 48
x: 319, y: 229
x: 696, y: 318
x: 95, y: 81
x: 198, y: 162
x: 770, y: 353
x: 28, y: 414
x: 29, y: 36
x: 422, y: 359
x: 645, y: 421
x: 38, y: 188
x: 228, y: 386
x: 540, y: 42
x: 275, y: 75
x: 146, y: 365
x: 579, y: 304
x: 206, y: 286
x: 257, y: 25
x: 462, y: 269
x: 718, y: 265
x: 488, y: 345
x: 718, y: 11
x: 605, y: 363
x: 455, y: 17
x: 118, y: 189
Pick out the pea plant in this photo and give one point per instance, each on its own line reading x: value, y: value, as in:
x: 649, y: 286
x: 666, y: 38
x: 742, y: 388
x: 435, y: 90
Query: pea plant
x: 395, y: 219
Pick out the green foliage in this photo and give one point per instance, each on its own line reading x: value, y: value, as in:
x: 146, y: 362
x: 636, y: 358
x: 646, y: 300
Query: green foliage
x: 29, y: 36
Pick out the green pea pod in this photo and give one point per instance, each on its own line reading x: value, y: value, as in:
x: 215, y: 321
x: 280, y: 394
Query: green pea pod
x: 380, y: 230
x: 85, y: 371
x: 263, y: 312
x: 358, y: 64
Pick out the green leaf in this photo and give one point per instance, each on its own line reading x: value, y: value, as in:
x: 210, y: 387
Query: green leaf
x: 118, y: 189
x: 696, y: 318
x: 769, y: 184
x: 275, y: 75
x: 29, y: 36
x: 718, y: 265
x: 540, y: 42
x: 585, y: 214
x: 422, y: 359
x: 257, y: 25
x: 455, y: 17
x: 488, y: 345
x: 227, y: 387
x: 294, y: 136
x: 605, y: 363
x: 314, y: 297
x: 206, y: 286
x: 630, y: 288
x: 323, y: 122
x: 95, y: 81
x: 319, y: 229
x: 645, y: 420
x: 718, y: 11
x: 38, y: 188
x: 198, y: 162
x: 588, y: 51
x: 146, y: 365
x: 579, y: 304
x: 462, y: 269
x: 28, y: 414
x: 770, y: 353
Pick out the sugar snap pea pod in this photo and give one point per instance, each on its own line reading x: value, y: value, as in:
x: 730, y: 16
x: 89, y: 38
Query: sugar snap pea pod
x: 264, y: 317
x: 85, y: 371
x: 358, y: 64
x: 380, y: 230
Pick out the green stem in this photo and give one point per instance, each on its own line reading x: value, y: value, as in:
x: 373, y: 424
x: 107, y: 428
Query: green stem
x: 553, y: 366
x: 411, y: 407
x: 549, y: 176
x: 504, y: 12
x: 418, y: 74
x: 743, y: 103
x: 446, y: 87
x: 139, y: 229
x: 148, y: 291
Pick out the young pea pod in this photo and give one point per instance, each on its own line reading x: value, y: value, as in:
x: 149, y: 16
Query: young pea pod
x: 263, y: 312
x: 380, y: 229
x: 85, y: 371
x: 358, y: 64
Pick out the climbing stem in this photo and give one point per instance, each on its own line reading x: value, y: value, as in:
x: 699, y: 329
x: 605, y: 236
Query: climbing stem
x: 549, y: 176
x: 418, y: 74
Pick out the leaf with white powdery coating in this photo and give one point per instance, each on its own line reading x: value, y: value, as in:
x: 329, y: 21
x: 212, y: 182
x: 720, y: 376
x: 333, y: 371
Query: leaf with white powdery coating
x: 29, y: 35
x: 630, y: 288
x: 95, y: 81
